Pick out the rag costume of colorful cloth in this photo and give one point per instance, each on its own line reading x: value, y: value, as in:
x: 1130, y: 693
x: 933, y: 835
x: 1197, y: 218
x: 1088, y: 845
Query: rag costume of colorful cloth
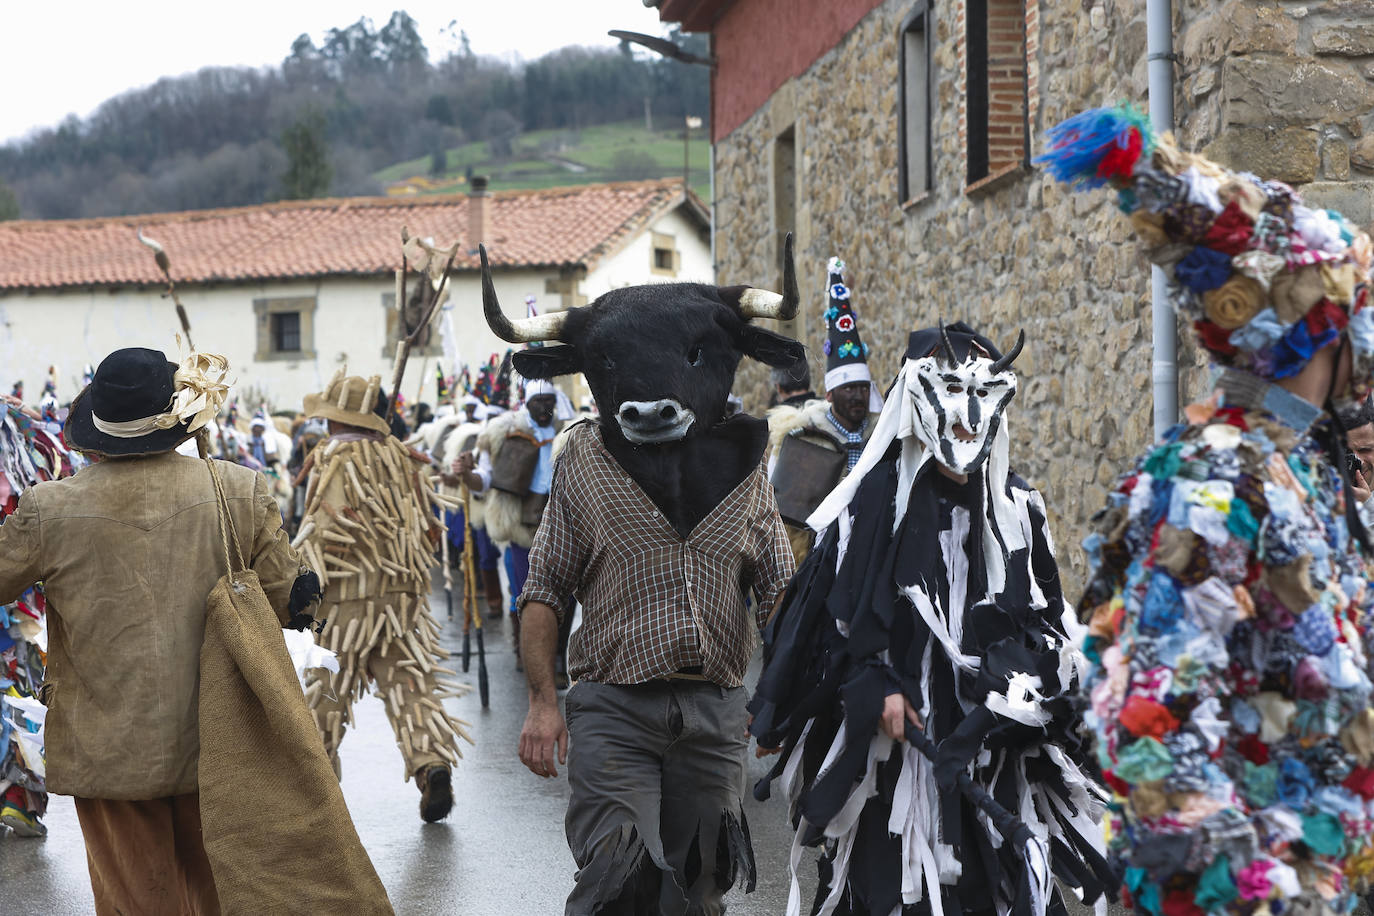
x: 370, y: 529
x: 1228, y: 602
x: 30, y: 451
x: 948, y: 594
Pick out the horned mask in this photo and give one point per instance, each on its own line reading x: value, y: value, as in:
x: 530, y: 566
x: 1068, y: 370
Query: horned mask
x: 955, y: 406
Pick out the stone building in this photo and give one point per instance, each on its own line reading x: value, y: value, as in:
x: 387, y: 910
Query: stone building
x: 291, y: 291
x: 898, y: 135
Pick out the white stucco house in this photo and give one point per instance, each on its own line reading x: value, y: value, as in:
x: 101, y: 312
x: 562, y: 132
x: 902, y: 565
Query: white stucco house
x: 291, y: 291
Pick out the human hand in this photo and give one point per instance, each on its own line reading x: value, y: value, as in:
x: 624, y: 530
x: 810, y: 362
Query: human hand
x: 760, y: 750
x: 464, y: 464
x: 897, y: 711
x: 1360, y: 486
x: 544, y: 732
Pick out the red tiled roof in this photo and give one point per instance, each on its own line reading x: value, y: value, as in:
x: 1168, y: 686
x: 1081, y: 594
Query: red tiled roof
x: 343, y: 236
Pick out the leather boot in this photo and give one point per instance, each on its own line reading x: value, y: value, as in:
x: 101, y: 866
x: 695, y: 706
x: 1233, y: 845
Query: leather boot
x: 491, y: 587
x: 436, y: 793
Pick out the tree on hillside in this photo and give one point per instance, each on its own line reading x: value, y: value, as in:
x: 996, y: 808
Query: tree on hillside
x: 352, y: 51
x: 308, y: 173
x: 305, y: 64
x: 9, y: 204
x: 401, y: 47
x: 499, y: 129
x: 210, y: 138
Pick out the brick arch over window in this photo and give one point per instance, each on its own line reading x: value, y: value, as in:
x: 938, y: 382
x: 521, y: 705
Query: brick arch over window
x: 999, y: 86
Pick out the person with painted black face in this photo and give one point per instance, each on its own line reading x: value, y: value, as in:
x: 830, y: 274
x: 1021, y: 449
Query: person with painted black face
x: 931, y: 601
x: 815, y: 444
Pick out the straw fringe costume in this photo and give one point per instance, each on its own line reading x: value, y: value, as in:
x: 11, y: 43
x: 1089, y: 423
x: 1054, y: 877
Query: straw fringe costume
x: 370, y: 529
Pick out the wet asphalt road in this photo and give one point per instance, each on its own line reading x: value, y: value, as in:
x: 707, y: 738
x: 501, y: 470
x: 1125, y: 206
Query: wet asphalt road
x: 501, y: 852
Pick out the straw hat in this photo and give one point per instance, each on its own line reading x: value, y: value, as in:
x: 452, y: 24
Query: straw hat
x: 349, y: 399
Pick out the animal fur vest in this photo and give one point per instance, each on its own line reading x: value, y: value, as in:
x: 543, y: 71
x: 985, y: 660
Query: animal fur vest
x: 503, y: 509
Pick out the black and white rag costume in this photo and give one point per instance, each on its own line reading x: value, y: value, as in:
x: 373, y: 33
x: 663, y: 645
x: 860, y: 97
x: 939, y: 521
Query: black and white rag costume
x: 948, y: 593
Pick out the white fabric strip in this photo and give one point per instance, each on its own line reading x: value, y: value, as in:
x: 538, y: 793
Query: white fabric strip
x: 132, y: 429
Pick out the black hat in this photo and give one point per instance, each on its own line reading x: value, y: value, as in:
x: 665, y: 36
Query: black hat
x: 962, y: 338
x: 129, y: 385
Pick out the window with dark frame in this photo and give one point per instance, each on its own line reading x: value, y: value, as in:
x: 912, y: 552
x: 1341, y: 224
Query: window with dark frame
x: 995, y: 103
x: 286, y: 332
x: 663, y: 258
x: 914, y: 75
x: 284, y: 328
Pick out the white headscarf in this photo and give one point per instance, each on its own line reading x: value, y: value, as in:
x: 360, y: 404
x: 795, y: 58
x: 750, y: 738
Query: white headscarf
x: 563, y: 410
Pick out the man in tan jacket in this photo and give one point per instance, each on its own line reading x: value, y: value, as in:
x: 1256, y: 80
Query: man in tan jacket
x: 128, y: 550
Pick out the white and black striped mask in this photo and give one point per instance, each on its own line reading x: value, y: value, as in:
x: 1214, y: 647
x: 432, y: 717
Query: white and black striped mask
x: 957, y: 409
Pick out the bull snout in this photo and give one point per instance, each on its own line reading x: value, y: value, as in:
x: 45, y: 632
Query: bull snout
x: 646, y: 422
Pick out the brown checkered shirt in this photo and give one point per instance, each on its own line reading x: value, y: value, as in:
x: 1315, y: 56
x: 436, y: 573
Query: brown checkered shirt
x: 652, y: 602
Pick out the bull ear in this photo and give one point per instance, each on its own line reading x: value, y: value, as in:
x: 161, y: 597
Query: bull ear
x: 769, y: 348
x: 546, y: 362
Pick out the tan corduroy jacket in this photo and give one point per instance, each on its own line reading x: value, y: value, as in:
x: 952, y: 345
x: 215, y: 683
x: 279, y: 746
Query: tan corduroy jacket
x: 128, y: 551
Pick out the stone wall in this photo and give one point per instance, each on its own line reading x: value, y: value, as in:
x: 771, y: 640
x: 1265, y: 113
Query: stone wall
x: 1286, y: 90
x: 1020, y: 252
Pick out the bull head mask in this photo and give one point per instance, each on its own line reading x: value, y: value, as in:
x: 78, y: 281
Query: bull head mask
x: 659, y: 358
x: 957, y: 404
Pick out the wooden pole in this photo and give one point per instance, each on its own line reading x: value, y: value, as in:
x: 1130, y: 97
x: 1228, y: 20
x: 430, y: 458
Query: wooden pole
x: 435, y: 295
x: 469, y: 599
x: 164, y: 264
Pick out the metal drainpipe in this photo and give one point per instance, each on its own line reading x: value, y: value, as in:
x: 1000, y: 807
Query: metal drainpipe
x: 711, y: 160
x: 1160, y: 43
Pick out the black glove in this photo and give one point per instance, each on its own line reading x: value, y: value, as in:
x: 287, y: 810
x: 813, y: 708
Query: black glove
x: 306, y: 595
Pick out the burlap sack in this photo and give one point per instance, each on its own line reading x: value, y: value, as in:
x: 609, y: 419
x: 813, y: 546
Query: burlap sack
x: 277, y: 832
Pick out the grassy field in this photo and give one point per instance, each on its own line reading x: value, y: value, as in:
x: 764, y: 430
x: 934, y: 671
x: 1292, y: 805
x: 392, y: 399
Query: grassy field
x: 556, y: 158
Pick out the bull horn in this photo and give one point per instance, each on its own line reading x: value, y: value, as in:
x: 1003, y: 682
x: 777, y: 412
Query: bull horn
x: 761, y: 303
x: 947, y: 347
x: 522, y: 330
x: 1002, y: 364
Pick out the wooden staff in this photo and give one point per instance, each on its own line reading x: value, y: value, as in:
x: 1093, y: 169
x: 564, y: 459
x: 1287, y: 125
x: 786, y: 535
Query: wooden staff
x: 448, y: 573
x: 470, y: 610
x: 164, y: 264
x: 434, y: 295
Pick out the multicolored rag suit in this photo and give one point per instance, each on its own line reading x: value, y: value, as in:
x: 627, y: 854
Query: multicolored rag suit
x: 1227, y: 615
x: 1229, y: 601
x: 30, y: 451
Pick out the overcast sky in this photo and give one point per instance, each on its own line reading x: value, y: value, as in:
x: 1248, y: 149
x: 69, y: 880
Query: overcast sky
x: 66, y: 58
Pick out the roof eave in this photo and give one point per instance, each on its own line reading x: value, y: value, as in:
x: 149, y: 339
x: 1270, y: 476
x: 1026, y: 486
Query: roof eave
x: 694, y: 15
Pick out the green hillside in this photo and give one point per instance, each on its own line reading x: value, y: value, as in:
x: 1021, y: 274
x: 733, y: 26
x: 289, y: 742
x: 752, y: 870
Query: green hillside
x: 557, y: 158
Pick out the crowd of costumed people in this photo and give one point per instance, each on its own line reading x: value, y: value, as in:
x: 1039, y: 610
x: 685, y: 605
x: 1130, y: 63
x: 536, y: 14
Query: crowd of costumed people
x: 276, y: 443
x: 31, y: 450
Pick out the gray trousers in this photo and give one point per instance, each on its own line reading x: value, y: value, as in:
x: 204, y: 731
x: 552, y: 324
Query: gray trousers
x: 656, y: 822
